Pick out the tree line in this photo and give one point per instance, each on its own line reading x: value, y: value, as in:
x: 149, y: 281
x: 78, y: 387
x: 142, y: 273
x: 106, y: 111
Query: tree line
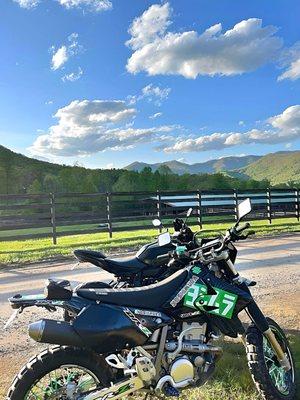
x: 39, y: 177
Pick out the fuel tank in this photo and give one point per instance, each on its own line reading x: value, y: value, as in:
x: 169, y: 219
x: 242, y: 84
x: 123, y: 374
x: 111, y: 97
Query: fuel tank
x: 149, y: 252
x: 217, y: 299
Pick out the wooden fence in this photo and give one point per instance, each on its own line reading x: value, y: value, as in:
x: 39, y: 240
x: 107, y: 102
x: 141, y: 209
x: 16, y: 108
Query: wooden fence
x: 53, y: 215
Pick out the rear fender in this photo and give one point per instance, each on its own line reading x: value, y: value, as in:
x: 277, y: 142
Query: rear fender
x: 40, y: 300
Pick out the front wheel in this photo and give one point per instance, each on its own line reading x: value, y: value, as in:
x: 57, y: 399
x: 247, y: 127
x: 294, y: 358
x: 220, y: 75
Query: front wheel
x: 271, y: 380
x: 59, y: 373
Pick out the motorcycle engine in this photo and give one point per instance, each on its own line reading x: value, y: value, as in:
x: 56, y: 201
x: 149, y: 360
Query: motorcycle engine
x: 182, y: 370
x: 185, y: 367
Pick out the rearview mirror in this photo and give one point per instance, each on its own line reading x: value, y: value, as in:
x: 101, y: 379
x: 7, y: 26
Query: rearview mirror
x: 244, y: 208
x: 164, y: 238
x: 156, y: 222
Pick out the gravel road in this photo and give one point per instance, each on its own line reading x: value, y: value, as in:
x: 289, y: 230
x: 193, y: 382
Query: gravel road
x: 273, y: 262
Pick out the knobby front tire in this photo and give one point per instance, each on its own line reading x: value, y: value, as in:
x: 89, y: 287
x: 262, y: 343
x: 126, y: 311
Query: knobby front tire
x: 264, y: 367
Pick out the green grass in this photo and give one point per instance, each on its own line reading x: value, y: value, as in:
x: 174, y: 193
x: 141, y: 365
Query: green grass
x: 232, y: 380
x: 41, y: 249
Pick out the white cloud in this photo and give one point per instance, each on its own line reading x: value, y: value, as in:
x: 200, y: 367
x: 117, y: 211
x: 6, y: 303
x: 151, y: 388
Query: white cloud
x: 62, y: 54
x: 86, y: 127
x: 153, y: 94
x: 243, y: 48
x: 27, y: 3
x: 291, y: 60
x: 241, y: 123
x: 156, y: 115
x: 284, y: 127
x: 73, y: 76
x: 89, y: 5
x: 59, y: 58
x: 150, y: 25
x: 92, y: 5
x: 110, y: 166
x: 48, y: 102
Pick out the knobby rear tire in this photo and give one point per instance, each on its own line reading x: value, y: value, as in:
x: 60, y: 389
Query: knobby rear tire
x: 258, y: 367
x: 51, y: 359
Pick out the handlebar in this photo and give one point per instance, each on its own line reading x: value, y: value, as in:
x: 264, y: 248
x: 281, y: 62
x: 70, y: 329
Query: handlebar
x: 218, y: 244
x: 241, y: 228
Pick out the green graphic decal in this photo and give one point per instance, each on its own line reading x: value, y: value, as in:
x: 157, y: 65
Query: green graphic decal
x: 180, y: 250
x: 196, y: 270
x: 222, y: 303
x: 124, y: 388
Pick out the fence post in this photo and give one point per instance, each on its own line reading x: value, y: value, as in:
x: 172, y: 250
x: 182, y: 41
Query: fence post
x: 236, y: 203
x: 158, y: 206
x: 297, y: 204
x: 53, y: 218
x: 269, y: 206
x: 199, y: 197
x: 108, y: 211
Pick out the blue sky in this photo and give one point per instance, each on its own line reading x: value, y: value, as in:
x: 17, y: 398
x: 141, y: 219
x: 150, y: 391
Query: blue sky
x: 106, y: 83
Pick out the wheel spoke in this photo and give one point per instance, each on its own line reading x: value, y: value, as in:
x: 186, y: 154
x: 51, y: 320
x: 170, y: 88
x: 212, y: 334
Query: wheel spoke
x: 55, y: 385
x: 278, y: 375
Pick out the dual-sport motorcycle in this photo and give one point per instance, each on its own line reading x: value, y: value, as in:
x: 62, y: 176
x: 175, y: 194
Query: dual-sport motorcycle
x: 154, y: 340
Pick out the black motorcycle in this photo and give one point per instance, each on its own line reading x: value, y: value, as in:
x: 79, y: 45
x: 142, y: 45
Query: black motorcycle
x: 148, y: 265
x: 157, y: 339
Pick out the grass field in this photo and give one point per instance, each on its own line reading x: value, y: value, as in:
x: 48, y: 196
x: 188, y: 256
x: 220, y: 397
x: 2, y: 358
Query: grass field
x: 42, y: 249
x: 232, y: 380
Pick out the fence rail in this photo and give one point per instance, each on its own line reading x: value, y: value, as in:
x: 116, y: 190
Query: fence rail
x: 58, y: 214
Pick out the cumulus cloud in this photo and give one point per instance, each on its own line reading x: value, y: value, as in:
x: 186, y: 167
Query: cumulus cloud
x: 245, y: 47
x: 73, y: 76
x: 283, y: 127
x: 86, y: 127
x: 62, y: 54
x: 291, y: 60
x: 89, y: 5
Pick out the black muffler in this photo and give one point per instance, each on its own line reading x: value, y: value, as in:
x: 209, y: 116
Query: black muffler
x: 54, y: 332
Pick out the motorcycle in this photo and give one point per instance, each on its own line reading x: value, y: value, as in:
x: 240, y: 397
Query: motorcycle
x: 148, y: 265
x: 155, y: 340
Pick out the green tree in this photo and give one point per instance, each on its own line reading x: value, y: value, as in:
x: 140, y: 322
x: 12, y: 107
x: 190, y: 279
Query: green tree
x: 35, y: 187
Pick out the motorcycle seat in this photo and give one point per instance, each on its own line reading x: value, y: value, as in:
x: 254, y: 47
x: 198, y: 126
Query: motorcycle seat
x: 120, y: 267
x: 86, y: 255
x: 152, y: 296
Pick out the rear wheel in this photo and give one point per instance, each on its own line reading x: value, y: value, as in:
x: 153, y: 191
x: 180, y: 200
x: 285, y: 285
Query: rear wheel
x: 59, y: 373
x: 271, y: 380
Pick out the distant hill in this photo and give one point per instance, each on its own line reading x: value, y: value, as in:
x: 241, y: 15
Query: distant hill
x: 21, y: 174
x: 280, y: 167
x: 208, y: 167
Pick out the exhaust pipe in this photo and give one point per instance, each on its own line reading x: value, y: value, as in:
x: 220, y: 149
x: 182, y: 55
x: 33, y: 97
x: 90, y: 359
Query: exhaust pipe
x: 54, y: 332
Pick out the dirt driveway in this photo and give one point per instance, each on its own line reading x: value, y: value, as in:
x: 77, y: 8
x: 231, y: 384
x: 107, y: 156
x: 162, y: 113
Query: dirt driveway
x: 274, y: 263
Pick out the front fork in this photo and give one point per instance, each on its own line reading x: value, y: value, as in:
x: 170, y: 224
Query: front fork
x: 260, y: 321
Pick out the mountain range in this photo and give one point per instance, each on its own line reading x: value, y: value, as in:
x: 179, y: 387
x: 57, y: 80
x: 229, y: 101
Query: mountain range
x: 280, y: 167
x: 207, y: 167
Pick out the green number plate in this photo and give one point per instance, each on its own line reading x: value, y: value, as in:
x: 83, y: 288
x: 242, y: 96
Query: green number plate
x: 224, y: 302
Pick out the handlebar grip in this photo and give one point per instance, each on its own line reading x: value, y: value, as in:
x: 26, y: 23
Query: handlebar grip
x: 242, y: 227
